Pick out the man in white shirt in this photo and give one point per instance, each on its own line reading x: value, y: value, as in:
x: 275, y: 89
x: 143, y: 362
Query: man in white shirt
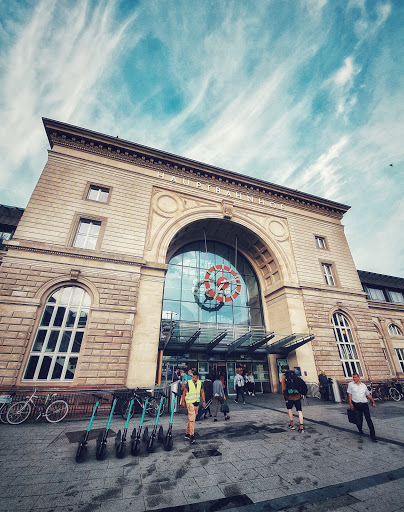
x: 239, y: 387
x: 358, y: 395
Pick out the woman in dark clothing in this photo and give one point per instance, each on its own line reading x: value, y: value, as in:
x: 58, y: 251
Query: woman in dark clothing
x: 208, y: 389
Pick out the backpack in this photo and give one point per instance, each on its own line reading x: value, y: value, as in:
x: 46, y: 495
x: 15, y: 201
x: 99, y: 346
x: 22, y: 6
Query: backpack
x: 291, y: 382
x: 302, y: 386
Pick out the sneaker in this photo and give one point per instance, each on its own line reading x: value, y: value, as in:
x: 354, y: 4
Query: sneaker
x: 214, y: 419
x: 236, y: 401
x: 227, y: 418
x: 253, y: 394
x: 187, y: 436
x: 243, y: 403
x: 301, y: 430
x: 292, y: 427
x: 192, y: 439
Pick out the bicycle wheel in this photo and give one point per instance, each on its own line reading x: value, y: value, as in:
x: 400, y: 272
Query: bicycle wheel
x: 3, y: 413
x: 152, y: 408
x: 18, y: 413
x: 125, y: 409
x: 395, y: 395
x: 56, y: 411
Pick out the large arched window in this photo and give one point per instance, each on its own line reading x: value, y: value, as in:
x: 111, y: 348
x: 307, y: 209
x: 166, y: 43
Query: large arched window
x: 212, y: 284
x: 57, y: 344
x: 346, y: 345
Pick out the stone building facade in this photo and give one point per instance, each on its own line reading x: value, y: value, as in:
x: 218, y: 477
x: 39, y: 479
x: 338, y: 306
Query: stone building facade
x: 89, y: 282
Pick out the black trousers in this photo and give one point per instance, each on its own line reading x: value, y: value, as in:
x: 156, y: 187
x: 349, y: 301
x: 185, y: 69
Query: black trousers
x: 240, y: 391
x: 364, y: 411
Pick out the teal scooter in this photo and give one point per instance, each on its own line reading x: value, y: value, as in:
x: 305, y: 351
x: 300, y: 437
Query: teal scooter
x: 120, y: 440
x: 168, y: 440
x: 150, y: 444
x: 102, y: 438
x: 82, y: 447
x: 136, y: 437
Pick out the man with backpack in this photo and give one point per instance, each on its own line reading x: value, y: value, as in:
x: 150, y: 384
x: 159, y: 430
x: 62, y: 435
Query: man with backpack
x: 239, y: 387
x: 293, y: 388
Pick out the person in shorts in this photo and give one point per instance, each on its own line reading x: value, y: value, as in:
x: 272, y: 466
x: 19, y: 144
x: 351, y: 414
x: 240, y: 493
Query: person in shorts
x: 291, y: 400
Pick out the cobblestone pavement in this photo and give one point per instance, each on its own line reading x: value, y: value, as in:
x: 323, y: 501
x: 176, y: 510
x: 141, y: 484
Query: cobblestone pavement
x: 252, y: 462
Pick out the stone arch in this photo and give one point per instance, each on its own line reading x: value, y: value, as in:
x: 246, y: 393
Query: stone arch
x: 50, y: 286
x: 265, y: 253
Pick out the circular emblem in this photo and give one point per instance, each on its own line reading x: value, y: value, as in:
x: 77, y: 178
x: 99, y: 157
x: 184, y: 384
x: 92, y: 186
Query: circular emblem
x: 222, y: 283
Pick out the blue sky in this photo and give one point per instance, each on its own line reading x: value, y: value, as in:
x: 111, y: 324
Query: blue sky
x: 303, y: 93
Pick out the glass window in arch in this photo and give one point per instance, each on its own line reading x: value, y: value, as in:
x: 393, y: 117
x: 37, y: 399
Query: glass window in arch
x: 58, y: 340
x: 346, y: 345
x: 210, y: 283
x: 394, y: 330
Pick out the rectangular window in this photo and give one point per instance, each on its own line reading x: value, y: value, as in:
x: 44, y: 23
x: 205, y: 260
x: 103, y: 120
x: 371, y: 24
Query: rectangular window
x: 395, y: 296
x: 327, y: 271
x: 4, y: 235
x: 387, y: 361
x: 97, y: 193
x: 320, y: 242
x: 376, y: 294
x: 87, y: 234
x: 400, y: 355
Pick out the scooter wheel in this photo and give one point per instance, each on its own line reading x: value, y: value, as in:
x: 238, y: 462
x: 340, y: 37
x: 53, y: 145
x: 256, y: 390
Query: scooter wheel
x: 150, y: 445
x: 120, y: 450
x: 146, y: 436
x: 81, y: 452
x: 118, y: 439
x: 101, y: 451
x: 160, y: 435
x: 168, y: 444
x: 135, y: 448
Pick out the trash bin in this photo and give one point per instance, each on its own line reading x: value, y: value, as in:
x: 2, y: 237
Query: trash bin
x: 335, y: 393
x: 175, y: 388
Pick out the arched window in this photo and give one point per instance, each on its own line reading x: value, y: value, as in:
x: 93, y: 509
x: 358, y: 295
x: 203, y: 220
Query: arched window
x: 346, y: 345
x: 57, y: 344
x: 394, y: 330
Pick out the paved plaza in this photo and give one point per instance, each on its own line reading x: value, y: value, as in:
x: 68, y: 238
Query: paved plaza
x: 250, y: 463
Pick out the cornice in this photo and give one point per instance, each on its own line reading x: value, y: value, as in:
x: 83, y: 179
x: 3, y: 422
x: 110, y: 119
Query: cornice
x: 66, y: 135
x: 395, y: 306
x: 39, y: 247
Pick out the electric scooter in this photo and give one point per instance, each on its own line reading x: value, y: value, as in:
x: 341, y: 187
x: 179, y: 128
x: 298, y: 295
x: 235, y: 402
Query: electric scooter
x: 150, y: 444
x: 136, y: 438
x: 102, y: 438
x: 168, y: 441
x: 82, y: 447
x: 120, y: 440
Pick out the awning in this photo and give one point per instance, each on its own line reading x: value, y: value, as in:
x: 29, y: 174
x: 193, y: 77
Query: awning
x: 228, y: 339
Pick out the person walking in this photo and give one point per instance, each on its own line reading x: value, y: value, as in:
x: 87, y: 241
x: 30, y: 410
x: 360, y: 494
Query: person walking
x: 292, y: 397
x: 208, y: 389
x: 239, y: 387
x: 191, y: 396
x: 323, y: 385
x: 250, y: 384
x: 219, y: 398
x: 358, y: 395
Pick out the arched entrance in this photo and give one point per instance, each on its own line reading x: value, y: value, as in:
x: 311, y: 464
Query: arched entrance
x: 212, y: 314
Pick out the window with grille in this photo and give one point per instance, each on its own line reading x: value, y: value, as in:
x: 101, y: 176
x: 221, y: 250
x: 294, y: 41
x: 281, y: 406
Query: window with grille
x: 346, y: 345
x: 87, y: 234
x: 376, y: 294
x: 387, y: 361
x: 396, y: 296
x: 394, y: 330
x: 400, y: 355
x: 96, y: 193
x: 320, y: 242
x: 58, y: 340
x: 327, y: 271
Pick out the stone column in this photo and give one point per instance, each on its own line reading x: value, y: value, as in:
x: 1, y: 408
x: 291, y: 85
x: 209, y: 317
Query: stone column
x: 146, y: 335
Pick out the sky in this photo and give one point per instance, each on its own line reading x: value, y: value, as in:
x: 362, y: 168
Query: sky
x: 307, y: 94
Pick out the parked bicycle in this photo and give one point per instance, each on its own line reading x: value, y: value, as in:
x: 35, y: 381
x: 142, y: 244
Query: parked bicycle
x: 139, y: 398
x: 5, y: 402
x: 377, y: 391
x: 396, y: 391
x: 53, y: 410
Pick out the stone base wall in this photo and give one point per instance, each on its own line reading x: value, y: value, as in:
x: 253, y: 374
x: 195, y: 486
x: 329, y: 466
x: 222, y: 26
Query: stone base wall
x: 24, y: 288
x: 319, y: 310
